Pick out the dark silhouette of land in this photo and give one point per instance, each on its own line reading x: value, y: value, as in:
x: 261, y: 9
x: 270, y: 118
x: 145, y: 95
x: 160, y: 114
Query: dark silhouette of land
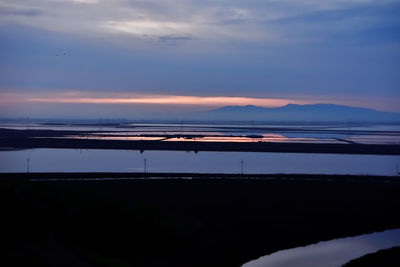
x: 383, y: 258
x: 209, y: 220
x: 182, y: 219
x: 54, y: 176
x: 294, y: 112
x: 25, y: 139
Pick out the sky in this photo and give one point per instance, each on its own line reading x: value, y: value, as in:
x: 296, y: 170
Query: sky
x: 131, y: 58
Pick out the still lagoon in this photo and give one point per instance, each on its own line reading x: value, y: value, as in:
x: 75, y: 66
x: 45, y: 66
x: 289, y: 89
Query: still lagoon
x: 94, y: 160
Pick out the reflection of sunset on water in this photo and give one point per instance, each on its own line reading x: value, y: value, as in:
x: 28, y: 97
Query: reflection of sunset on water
x: 131, y: 138
x: 220, y: 138
x: 225, y: 133
x: 244, y: 139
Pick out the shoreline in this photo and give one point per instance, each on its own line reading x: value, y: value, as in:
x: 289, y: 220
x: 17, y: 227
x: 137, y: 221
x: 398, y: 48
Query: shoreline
x: 364, y: 149
x: 43, y: 176
x: 29, y: 139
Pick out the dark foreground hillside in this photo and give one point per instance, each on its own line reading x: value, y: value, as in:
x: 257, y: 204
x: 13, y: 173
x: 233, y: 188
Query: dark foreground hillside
x: 177, y: 222
x: 382, y: 258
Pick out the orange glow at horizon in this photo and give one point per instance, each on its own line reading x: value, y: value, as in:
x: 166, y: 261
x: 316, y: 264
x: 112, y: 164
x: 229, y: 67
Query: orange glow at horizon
x: 9, y: 100
x: 76, y: 98
x: 171, y: 100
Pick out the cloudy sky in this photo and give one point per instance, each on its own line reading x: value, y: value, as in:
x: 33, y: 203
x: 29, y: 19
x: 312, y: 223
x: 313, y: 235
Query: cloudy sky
x: 127, y: 58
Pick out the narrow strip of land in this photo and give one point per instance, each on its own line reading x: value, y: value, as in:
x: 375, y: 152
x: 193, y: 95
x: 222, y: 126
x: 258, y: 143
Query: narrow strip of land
x: 94, y: 176
x: 29, y: 142
x: 28, y: 139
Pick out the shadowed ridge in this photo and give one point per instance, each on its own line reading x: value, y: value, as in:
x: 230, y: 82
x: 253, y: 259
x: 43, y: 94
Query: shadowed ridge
x: 294, y: 112
x: 384, y: 258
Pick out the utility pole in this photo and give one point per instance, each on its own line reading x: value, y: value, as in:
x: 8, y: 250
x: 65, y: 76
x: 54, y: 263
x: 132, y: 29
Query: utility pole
x: 27, y: 165
x: 145, y: 165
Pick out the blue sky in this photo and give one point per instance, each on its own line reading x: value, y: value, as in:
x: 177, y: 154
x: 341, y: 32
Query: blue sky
x: 299, y: 51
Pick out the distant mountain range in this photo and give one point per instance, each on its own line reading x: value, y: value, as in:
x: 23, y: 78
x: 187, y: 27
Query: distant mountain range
x: 294, y: 112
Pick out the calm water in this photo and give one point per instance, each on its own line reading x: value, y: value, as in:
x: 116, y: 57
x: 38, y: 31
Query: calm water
x: 367, y: 134
x: 333, y: 253
x: 72, y: 160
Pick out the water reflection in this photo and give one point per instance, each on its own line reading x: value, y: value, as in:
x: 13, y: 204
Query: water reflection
x: 333, y: 253
x: 366, y: 134
x: 248, y: 139
x: 131, y: 138
x: 73, y: 160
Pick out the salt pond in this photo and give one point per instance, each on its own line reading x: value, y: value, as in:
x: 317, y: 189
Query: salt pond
x: 95, y: 160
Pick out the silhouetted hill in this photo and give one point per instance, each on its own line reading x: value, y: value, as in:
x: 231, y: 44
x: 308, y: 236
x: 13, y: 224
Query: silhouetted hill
x: 293, y: 112
x: 384, y: 258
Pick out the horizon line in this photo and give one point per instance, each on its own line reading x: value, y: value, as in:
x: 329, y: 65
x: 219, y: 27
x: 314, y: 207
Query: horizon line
x: 123, y: 98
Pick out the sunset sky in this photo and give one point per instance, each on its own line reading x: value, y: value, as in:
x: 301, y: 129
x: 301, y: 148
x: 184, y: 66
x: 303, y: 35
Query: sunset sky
x: 130, y: 58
